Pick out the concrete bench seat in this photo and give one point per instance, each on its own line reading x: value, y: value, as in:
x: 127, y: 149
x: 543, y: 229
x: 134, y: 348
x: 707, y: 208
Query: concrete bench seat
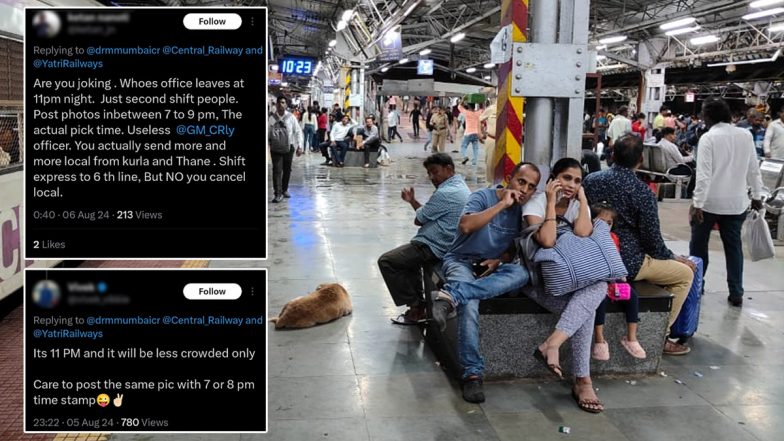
x: 511, y: 326
x: 356, y: 158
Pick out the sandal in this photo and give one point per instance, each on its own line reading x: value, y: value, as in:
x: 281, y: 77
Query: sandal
x: 553, y: 368
x: 587, y: 405
x: 633, y: 348
x: 601, y: 351
x: 409, y: 318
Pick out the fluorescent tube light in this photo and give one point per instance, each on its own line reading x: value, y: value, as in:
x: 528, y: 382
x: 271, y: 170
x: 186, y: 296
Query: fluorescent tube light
x: 678, y: 23
x: 705, y: 39
x: 487, y: 77
x: 682, y: 31
x: 424, y: 52
x: 763, y: 3
x: 764, y: 13
x: 384, y: 69
x: 333, y: 43
x: 611, y: 66
x: 489, y: 65
x: 776, y: 27
x: 613, y: 40
x: 347, y: 15
x: 342, y: 25
x: 457, y: 37
x: 471, y: 70
x: 403, y: 61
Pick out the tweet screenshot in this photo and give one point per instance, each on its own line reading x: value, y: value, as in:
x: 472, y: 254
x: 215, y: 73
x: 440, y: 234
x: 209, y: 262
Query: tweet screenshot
x: 145, y: 351
x: 145, y: 131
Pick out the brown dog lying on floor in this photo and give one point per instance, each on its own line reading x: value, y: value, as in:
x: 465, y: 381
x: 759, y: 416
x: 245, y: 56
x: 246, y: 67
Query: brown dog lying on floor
x: 328, y: 302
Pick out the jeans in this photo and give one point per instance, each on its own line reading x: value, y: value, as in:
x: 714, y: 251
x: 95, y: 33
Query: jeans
x: 467, y: 291
x: 281, y: 171
x: 309, y: 134
x: 472, y: 139
x: 391, y: 132
x: 416, y: 128
x: 729, y: 230
x: 339, y: 152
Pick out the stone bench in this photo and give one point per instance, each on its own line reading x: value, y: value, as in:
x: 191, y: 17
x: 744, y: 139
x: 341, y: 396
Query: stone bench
x: 510, y: 327
x: 356, y: 158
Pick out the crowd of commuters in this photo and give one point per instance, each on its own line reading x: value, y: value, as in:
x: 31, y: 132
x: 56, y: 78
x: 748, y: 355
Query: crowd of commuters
x: 472, y: 236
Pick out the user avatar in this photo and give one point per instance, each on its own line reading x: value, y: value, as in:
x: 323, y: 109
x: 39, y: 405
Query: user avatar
x: 46, y: 294
x: 46, y: 24
x: 103, y: 400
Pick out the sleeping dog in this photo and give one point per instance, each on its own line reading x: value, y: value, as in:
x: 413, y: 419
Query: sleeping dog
x: 328, y: 302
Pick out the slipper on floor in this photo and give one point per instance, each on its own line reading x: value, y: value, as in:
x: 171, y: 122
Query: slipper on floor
x: 406, y: 320
x: 553, y: 368
x: 585, y: 405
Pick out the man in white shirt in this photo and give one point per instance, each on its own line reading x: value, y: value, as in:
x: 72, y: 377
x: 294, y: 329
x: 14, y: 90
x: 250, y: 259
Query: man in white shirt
x: 726, y: 167
x: 393, y: 119
x: 619, y: 126
x: 774, y: 138
x: 281, y: 162
x: 339, y: 144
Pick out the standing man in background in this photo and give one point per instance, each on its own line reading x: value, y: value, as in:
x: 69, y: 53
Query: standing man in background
x: 281, y: 158
x: 726, y: 167
x: 393, y: 119
x: 619, y: 127
x: 774, y: 138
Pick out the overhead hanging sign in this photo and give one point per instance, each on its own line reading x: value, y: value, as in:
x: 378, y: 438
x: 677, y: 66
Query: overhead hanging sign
x: 391, y: 47
x: 425, y: 67
x: 689, y: 97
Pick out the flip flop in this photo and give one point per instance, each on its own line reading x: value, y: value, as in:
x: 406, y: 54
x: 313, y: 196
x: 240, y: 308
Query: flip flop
x: 405, y: 320
x: 553, y: 368
x: 585, y: 404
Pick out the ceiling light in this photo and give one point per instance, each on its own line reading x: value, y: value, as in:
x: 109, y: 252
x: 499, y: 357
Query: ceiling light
x: 681, y: 22
x: 333, y: 43
x: 274, y: 67
x: 763, y: 3
x: 347, y: 15
x: 600, y: 57
x: 611, y: 66
x: 705, y: 39
x: 761, y: 14
x: 776, y: 27
x: 284, y: 84
x: 384, y: 69
x: 425, y: 52
x: 601, y: 48
x: 457, y: 37
x: 403, y: 61
x: 682, y: 31
x: 613, y: 40
x: 489, y: 65
x: 342, y: 25
x: 471, y: 70
x: 487, y: 77
x: 758, y: 60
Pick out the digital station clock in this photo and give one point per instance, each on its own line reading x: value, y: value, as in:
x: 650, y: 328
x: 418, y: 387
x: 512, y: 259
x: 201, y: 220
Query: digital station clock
x: 297, y: 66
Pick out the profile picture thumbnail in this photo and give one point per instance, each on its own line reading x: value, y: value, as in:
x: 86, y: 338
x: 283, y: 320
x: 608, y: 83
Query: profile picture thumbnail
x: 46, y: 294
x: 46, y: 24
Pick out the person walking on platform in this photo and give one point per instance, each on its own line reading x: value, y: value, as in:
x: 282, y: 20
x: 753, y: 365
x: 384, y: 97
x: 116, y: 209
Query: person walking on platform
x: 437, y: 219
x: 393, y: 119
x: 440, y: 124
x: 619, y: 126
x: 284, y: 131
x: 414, y: 118
x: 726, y: 167
x: 471, y: 133
x: 489, y: 117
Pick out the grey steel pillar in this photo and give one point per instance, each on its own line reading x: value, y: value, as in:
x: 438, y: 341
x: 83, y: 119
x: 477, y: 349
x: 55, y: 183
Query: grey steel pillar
x: 543, y: 21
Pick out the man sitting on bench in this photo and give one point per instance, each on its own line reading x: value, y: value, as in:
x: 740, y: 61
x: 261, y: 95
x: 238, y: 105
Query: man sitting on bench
x: 491, y: 221
x: 438, y: 220
x: 367, y: 139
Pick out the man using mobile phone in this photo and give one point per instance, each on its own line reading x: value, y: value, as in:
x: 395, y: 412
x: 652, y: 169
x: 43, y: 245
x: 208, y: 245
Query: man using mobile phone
x: 491, y: 221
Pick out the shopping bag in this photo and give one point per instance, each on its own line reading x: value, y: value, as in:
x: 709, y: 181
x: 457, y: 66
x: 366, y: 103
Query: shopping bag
x: 758, y: 238
x: 686, y: 324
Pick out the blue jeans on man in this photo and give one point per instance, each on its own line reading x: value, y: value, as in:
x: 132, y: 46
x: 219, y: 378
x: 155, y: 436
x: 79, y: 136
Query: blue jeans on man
x: 729, y: 230
x: 339, y: 152
x: 470, y: 139
x: 467, y: 291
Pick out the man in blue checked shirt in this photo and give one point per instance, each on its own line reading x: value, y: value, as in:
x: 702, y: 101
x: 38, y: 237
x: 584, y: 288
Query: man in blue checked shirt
x: 438, y: 219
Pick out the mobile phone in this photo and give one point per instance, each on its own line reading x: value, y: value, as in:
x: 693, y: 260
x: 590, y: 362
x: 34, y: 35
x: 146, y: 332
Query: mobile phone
x: 479, y: 269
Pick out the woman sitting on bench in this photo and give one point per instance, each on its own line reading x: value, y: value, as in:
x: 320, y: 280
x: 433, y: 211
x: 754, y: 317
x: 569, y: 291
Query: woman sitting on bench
x: 564, y: 197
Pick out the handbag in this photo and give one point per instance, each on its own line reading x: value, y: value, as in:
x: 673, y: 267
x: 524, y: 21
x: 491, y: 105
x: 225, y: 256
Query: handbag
x: 758, y: 237
x: 576, y: 262
x: 526, y: 250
